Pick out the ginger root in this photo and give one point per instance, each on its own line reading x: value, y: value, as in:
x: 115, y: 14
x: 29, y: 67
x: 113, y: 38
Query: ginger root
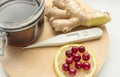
x: 64, y: 15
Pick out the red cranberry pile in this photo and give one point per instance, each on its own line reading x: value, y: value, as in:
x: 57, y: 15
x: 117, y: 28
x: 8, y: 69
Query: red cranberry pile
x: 76, y: 56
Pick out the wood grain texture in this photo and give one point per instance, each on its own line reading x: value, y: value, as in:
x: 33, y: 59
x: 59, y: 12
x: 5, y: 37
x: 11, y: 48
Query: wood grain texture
x: 38, y: 62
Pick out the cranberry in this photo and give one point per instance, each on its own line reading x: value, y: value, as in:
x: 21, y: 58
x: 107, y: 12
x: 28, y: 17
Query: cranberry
x: 65, y: 67
x: 86, y: 66
x: 72, y: 71
x: 78, y: 65
x: 81, y: 49
x: 69, y: 60
x: 76, y: 57
x: 68, y: 53
x: 86, y: 56
x: 75, y: 49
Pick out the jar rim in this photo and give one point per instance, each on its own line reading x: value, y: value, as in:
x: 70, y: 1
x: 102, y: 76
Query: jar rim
x: 26, y: 22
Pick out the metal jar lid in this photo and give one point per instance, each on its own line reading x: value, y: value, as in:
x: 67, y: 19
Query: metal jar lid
x: 12, y: 26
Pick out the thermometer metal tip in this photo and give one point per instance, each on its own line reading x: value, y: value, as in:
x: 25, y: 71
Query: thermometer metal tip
x: 77, y: 36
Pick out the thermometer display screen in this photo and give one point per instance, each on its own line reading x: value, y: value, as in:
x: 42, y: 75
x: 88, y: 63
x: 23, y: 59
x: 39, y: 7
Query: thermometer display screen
x: 73, y: 36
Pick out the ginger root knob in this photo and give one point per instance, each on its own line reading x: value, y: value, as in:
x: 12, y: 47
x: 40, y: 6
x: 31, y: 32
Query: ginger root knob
x: 65, y: 15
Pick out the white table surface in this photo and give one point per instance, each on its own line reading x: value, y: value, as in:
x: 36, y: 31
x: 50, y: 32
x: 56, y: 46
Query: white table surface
x: 111, y: 67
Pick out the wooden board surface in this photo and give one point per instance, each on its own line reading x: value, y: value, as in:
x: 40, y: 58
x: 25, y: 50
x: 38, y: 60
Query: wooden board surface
x: 38, y: 62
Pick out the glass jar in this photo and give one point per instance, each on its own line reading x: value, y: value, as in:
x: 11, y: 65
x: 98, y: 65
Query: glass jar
x: 21, y: 21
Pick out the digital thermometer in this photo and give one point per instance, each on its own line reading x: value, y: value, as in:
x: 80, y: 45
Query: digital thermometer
x: 77, y: 36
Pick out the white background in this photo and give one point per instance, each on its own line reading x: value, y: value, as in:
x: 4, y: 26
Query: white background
x: 111, y: 67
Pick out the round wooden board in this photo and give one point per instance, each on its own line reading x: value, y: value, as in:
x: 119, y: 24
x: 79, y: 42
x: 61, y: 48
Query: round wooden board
x: 38, y: 62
